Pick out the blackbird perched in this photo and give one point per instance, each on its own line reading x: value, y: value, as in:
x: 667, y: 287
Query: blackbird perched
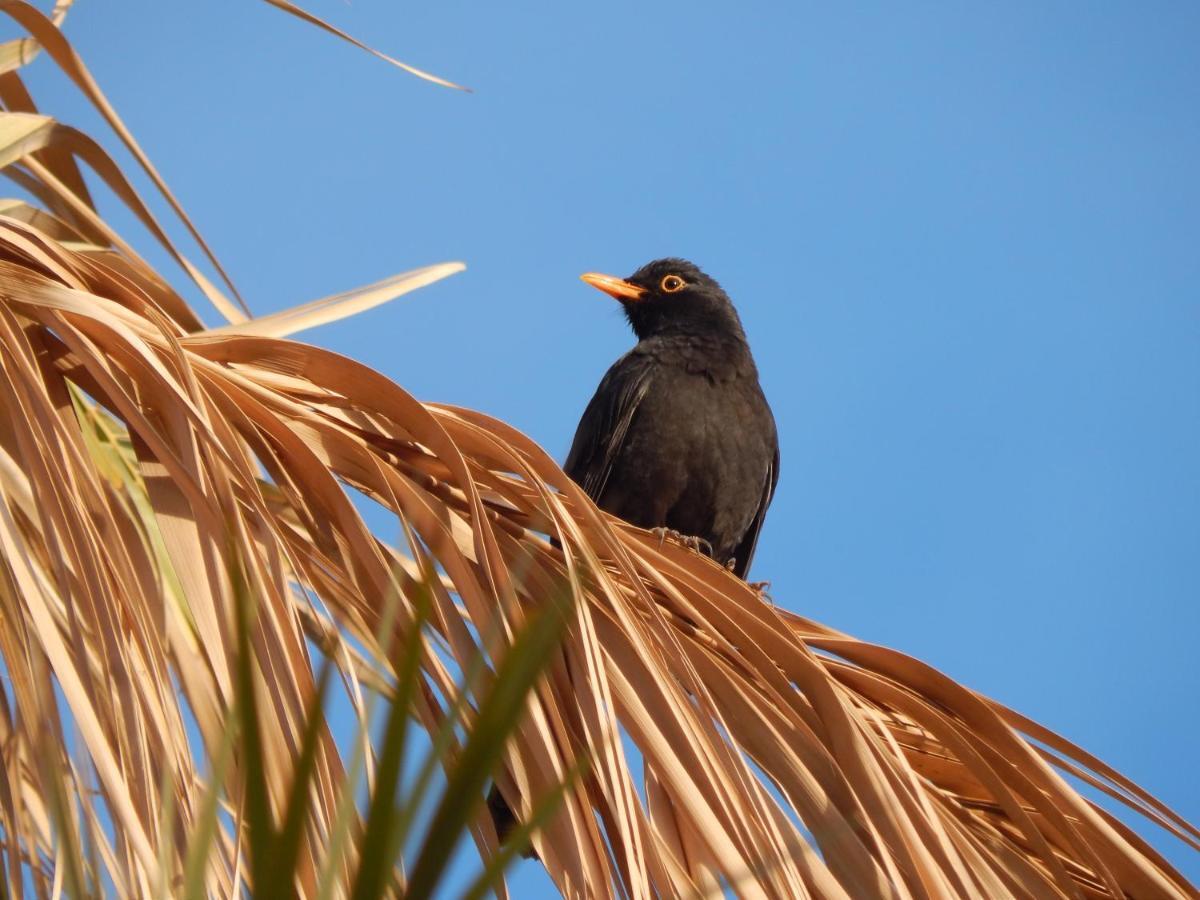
x: 679, y: 435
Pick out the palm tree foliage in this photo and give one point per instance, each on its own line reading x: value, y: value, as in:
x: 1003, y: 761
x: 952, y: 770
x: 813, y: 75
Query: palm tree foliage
x: 180, y: 545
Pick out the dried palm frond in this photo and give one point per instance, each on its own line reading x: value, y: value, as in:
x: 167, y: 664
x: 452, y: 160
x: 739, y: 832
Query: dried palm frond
x: 149, y: 467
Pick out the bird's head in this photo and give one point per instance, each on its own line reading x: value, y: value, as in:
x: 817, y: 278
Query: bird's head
x: 671, y: 296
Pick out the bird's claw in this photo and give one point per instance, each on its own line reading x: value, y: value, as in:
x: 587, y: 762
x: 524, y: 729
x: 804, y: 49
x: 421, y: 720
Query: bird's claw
x: 761, y: 588
x: 699, y: 544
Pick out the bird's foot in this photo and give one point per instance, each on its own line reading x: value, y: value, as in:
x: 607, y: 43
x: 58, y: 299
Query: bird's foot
x: 699, y: 544
x: 761, y: 588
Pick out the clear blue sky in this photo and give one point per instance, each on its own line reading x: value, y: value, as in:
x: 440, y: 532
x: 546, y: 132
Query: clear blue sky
x: 965, y: 245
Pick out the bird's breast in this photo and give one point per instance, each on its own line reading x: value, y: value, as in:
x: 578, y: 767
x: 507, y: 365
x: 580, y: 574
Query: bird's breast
x: 695, y: 458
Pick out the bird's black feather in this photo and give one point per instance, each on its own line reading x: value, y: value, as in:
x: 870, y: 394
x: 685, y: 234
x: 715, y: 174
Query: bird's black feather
x: 606, y: 420
x: 744, y: 554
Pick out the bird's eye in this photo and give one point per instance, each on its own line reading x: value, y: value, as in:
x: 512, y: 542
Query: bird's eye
x: 672, y: 283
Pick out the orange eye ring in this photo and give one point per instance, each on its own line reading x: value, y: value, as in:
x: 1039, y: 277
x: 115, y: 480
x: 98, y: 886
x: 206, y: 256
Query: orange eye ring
x: 672, y: 284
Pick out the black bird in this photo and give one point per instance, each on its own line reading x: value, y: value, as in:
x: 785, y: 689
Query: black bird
x: 679, y: 435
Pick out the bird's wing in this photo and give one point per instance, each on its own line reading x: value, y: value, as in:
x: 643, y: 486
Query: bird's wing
x: 745, y: 550
x: 605, y: 422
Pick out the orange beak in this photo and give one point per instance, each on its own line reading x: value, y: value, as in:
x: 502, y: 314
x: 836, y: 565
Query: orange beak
x: 614, y: 287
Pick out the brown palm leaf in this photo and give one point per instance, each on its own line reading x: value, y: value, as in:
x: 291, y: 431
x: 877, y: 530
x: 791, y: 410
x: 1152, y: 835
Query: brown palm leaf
x: 775, y: 757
